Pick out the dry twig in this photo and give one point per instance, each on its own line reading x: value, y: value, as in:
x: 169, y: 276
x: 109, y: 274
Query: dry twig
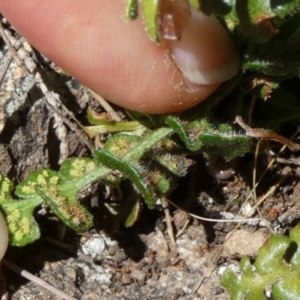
x: 266, y: 134
x: 36, y: 280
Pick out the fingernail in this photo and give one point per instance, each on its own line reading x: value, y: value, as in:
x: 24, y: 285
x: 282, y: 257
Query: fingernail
x: 204, y: 52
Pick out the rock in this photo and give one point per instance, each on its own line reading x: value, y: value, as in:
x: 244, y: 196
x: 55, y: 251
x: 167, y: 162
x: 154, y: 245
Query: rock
x: 94, y: 247
x: 244, y: 243
x: 138, y: 275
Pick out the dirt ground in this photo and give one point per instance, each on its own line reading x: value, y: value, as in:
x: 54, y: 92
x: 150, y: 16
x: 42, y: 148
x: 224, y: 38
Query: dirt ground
x: 140, y: 262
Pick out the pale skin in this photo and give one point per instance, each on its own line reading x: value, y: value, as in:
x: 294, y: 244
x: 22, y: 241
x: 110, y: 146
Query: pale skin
x: 92, y: 42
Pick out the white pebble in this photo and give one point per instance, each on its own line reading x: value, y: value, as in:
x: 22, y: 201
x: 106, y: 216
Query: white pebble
x: 94, y: 246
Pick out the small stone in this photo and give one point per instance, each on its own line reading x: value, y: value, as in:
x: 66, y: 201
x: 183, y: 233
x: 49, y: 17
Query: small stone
x: 70, y: 272
x: 125, y: 279
x: 244, y: 243
x: 94, y: 246
x: 138, y: 275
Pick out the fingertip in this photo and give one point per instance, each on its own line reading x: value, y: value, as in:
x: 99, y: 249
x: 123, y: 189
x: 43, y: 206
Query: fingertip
x: 113, y: 57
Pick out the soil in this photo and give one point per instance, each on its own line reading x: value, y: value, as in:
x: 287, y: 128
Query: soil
x: 140, y: 262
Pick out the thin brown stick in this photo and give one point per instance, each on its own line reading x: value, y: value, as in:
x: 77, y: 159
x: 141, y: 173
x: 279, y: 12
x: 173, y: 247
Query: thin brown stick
x: 242, y: 220
x: 12, y: 50
x: 36, y: 280
x: 266, y: 134
x: 271, y: 190
x: 254, y: 173
x: 5, y: 67
x: 182, y: 230
x: 165, y: 205
x: 199, y: 283
x: 254, y: 183
x: 8, y: 61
